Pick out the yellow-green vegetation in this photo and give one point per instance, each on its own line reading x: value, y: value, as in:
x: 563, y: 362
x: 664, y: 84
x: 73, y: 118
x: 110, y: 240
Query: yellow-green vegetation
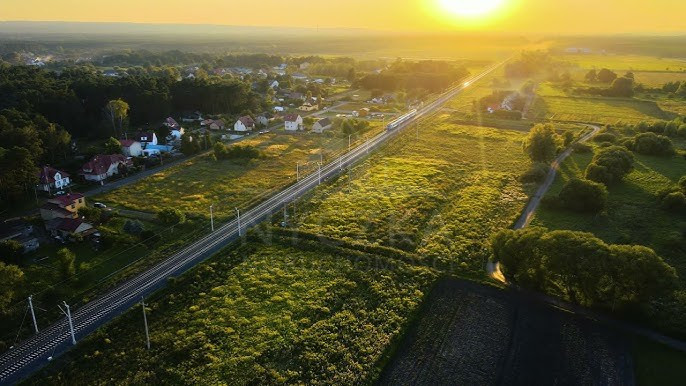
x: 440, y: 195
x: 258, y: 315
x: 633, y: 213
x: 596, y: 110
x: 203, y: 181
x: 626, y: 62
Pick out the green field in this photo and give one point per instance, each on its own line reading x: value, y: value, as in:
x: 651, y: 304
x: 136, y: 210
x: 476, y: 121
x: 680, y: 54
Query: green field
x: 597, y: 110
x: 633, y: 215
x: 440, y: 195
x: 258, y: 315
x: 195, y: 185
x: 626, y: 62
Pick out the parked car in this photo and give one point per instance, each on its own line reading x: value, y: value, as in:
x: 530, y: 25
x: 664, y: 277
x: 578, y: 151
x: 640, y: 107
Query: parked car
x: 100, y: 205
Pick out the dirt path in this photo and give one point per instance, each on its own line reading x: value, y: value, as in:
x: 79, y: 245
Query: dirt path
x: 525, y: 219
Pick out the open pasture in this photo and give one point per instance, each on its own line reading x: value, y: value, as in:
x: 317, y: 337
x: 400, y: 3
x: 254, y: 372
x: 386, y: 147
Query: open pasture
x: 257, y: 314
x: 440, y: 194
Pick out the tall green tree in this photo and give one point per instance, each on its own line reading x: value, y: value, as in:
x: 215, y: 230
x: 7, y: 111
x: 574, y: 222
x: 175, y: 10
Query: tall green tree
x: 10, y: 278
x: 66, y: 259
x: 56, y: 141
x: 117, y: 110
x: 112, y: 146
x: 541, y: 143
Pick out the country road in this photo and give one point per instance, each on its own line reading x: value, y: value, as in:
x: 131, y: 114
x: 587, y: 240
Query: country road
x: 33, y: 353
x: 528, y: 213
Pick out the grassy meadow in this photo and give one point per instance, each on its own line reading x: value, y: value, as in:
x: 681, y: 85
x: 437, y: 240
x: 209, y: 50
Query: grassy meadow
x: 440, y: 195
x: 626, y: 62
x: 195, y: 185
x: 257, y: 314
x: 633, y: 215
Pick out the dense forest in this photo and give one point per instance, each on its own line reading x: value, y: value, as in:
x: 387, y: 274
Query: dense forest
x: 41, y: 110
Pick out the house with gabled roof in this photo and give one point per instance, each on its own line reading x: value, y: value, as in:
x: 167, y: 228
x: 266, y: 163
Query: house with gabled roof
x: 52, y: 180
x: 293, y: 122
x: 321, y: 125
x: 102, y: 167
x: 245, y: 123
x: 64, y: 206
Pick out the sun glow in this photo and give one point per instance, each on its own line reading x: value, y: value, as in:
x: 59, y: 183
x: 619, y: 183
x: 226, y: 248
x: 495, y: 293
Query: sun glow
x: 471, y: 8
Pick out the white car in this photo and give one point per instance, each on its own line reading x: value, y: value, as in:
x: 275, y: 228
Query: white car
x: 100, y: 205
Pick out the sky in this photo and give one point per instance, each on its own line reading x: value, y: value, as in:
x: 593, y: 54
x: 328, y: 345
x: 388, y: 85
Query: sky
x: 518, y: 16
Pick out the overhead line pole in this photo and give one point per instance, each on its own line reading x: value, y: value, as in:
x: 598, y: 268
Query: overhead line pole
x: 67, y: 313
x: 33, y: 314
x: 145, y: 323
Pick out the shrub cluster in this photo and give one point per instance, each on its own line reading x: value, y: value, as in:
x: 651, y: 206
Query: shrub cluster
x: 583, y: 196
x: 221, y: 151
x: 610, y: 165
x: 651, y: 144
x: 536, y: 173
x: 581, y: 268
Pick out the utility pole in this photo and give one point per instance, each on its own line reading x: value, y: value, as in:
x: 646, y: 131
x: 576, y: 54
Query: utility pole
x: 349, y: 141
x: 67, y: 313
x: 297, y: 170
x: 33, y: 314
x: 145, y: 323
x: 340, y: 163
x: 321, y: 156
x: 285, y: 214
x: 239, y: 222
x: 319, y: 172
x: 212, y: 218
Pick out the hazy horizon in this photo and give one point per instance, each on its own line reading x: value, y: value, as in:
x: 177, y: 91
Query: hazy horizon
x: 529, y: 17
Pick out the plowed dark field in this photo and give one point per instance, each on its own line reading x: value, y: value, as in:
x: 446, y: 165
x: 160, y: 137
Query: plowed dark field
x: 470, y: 334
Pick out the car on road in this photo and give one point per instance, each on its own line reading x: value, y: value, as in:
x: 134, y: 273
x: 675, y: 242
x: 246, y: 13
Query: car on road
x: 100, y: 205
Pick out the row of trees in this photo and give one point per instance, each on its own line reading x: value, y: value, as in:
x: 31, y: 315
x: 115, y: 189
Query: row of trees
x: 581, y: 268
x: 75, y: 98
x: 428, y: 75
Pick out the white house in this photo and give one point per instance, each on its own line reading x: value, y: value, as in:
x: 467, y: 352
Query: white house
x: 245, y: 123
x: 131, y: 148
x: 279, y: 109
x: 263, y: 119
x: 101, y: 167
x: 293, y: 122
x: 145, y: 138
x: 321, y: 125
x: 52, y: 180
x: 176, y: 133
x: 274, y: 84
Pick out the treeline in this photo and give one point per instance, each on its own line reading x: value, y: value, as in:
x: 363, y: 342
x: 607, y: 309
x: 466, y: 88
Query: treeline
x: 74, y: 99
x: 529, y: 64
x: 429, y: 75
x: 619, y: 86
x: 177, y: 57
x: 581, y: 268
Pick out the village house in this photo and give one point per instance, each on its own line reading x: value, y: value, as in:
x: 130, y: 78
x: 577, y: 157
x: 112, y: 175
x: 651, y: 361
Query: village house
x: 175, y: 133
x: 146, y: 138
x: 64, y: 206
x: 67, y: 227
x: 279, y: 109
x: 51, y: 180
x: 293, y: 122
x: 171, y: 123
x: 21, y: 232
x: 263, y: 119
x: 131, y: 148
x: 321, y: 125
x: 213, y: 124
x: 245, y: 123
x: 274, y: 84
x: 102, y: 167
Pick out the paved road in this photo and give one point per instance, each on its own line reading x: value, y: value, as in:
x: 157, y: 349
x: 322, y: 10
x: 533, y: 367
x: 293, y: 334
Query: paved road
x: 525, y: 219
x: 33, y: 353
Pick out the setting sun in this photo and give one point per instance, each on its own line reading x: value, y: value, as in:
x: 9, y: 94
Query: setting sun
x: 471, y: 8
